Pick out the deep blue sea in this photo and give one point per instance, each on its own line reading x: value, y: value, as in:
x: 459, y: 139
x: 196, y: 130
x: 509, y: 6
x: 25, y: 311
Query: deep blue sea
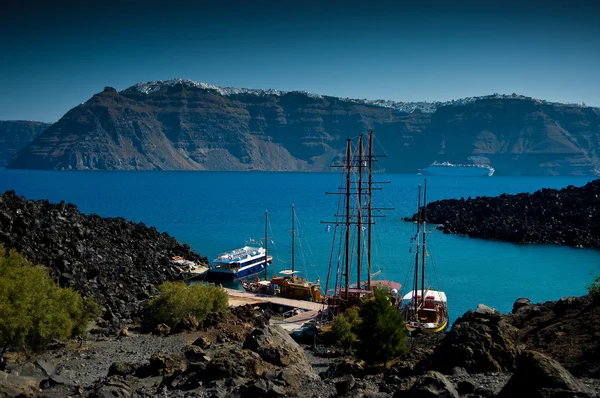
x: 218, y: 211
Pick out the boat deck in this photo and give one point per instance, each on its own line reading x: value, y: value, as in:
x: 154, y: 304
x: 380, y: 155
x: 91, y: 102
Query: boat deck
x: 238, y: 298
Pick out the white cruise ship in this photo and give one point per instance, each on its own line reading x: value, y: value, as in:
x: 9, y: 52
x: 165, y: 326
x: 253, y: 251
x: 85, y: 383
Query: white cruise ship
x: 464, y: 169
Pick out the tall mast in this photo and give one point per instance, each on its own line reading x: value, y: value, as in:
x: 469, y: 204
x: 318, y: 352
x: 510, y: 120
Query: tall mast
x: 266, y: 242
x: 359, y: 222
x: 370, y: 210
x: 293, y: 236
x: 416, y: 283
x: 347, y: 246
x: 424, y: 249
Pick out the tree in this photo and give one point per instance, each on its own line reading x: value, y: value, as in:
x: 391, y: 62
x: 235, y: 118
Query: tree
x: 34, y: 310
x: 594, y: 289
x: 381, y: 332
x: 176, y: 300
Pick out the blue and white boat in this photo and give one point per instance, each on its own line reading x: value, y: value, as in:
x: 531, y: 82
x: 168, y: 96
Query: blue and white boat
x: 239, y: 263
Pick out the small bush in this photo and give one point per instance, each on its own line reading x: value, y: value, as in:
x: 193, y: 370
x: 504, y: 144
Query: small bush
x: 34, y: 310
x: 343, y: 329
x: 176, y: 300
x: 594, y: 289
x: 381, y: 332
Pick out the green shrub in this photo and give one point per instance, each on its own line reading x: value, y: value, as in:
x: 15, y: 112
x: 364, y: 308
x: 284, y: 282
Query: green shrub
x: 594, y: 289
x: 343, y: 329
x: 176, y: 300
x: 34, y: 310
x: 381, y: 332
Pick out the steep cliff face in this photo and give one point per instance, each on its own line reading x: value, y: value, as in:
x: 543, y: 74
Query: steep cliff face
x: 182, y: 125
x: 15, y: 135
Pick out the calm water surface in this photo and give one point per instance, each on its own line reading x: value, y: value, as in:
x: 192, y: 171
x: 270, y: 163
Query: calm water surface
x: 217, y: 211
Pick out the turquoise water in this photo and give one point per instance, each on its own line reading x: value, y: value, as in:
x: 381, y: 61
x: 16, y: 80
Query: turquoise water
x: 214, y: 212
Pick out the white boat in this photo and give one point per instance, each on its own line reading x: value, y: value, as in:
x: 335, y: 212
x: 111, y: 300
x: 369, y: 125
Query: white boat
x: 464, y: 169
x: 244, y: 262
x: 239, y: 263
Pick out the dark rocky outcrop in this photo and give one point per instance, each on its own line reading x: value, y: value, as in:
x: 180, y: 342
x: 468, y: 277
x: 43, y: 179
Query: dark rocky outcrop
x: 567, y: 330
x: 182, y: 125
x: 480, y: 341
x: 113, y: 260
x: 431, y: 384
x: 17, y: 134
x: 538, y: 375
x: 570, y: 216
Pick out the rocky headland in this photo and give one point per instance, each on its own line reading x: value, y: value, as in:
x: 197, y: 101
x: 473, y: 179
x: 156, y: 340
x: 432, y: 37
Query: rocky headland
x: 117, y: 262
x: 184, y: 125
x: 569, y: 216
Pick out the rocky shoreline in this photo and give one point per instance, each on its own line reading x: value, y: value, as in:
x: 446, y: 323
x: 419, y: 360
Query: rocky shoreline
x: 540, y: 350
x: 117, y: 262
x: 570, y: 216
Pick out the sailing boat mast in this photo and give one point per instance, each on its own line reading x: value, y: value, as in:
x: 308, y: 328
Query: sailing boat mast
x: 293, y: 237
x: 347, y: 245
x: 359, y: 220
x: 266, y: 241
x: 416, y: 284
x: 424, y: 254
x: 370, y: 209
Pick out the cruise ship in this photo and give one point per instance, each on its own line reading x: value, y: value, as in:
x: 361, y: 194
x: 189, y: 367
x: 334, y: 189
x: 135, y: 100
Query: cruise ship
x: 464, y: 169
x: 239, y: 264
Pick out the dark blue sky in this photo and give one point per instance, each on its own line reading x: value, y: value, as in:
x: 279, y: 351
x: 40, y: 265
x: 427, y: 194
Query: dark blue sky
x: 58, y: 54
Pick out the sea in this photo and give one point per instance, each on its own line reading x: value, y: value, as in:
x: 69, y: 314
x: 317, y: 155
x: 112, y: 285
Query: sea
x: 218, y: 211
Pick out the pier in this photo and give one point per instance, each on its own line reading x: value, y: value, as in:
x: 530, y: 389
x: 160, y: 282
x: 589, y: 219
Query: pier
x: 238, y: 298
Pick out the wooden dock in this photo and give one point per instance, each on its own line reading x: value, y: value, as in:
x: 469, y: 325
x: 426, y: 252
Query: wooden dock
x: 238, y: 298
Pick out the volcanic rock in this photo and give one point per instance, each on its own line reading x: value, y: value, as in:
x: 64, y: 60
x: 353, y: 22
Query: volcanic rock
x: 480, y: 341
x: 275, y: 345
x: 570, y: 216
x: 431, y: 384
x: 538, y: 375
x: 111, y: 259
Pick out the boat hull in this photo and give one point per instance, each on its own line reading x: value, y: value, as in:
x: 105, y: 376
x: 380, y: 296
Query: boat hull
x: 215, y: 275
x: 428, y: 330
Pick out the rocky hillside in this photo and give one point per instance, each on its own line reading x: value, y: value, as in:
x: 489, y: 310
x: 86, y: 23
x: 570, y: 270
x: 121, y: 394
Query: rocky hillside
x: 570, y: 216
x: 115, y: 261
x: 15, y: 135
x: 183, y: 125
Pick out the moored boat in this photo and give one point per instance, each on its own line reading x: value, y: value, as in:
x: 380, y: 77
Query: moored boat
x: 244, y: 262
x: 355, y: 219
x: 424, y: 309
x: 239, y: 263
x: 287, y: 284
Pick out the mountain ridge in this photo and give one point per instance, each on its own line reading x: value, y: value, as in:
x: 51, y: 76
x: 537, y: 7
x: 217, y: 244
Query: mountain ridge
x: 185, y: 125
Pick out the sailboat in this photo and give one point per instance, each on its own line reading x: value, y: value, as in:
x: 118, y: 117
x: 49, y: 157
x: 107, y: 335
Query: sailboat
x: 287, y: 284
x: 351, y: 219
x: 424, y: 309
x: 244, y: 262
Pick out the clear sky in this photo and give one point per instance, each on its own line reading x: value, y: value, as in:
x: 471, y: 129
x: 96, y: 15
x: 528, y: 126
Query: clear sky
x: 56, y: 54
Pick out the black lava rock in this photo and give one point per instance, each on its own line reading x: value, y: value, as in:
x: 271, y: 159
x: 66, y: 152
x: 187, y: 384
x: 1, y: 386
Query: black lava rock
x: 570, y: 216
x: 117, y: 262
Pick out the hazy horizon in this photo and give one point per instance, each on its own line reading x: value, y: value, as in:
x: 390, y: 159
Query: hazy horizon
x: 56, y: 58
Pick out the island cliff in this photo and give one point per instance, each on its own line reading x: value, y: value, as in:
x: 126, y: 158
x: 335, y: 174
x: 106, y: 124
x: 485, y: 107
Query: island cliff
x: 184, y: 125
